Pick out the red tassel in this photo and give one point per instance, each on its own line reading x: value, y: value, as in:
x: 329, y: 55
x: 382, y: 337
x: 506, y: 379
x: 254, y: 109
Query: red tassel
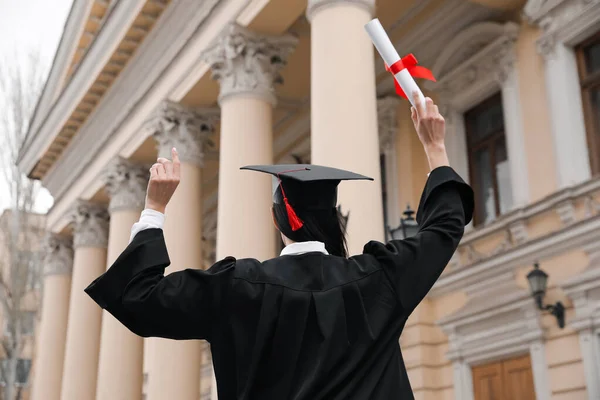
x: 295, y: 222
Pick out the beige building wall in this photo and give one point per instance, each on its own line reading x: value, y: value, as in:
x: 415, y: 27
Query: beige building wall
x: 142, y: 87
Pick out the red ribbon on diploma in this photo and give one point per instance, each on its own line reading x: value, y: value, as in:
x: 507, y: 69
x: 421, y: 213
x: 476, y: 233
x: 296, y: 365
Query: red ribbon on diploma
x: 408, y: 62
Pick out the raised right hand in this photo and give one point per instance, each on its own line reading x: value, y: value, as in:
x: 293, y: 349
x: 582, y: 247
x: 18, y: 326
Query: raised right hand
x: 431, y: 129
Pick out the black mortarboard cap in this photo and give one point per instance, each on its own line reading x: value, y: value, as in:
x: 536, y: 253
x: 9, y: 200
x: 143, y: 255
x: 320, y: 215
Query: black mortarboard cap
x: 305, y: 186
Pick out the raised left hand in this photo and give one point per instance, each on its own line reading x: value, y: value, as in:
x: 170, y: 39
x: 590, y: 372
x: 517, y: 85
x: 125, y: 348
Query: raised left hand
x: 164, y: 179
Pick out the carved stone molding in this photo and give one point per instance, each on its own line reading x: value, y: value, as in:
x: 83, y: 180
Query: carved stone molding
x: 126, y: 183
x: 246, y: 63
x: 187, y: 129
x: 317, y: 5
x: 518, y: 232
x: 499, y: 319
x: 58, y: 259
x: 562, y: 21
x: 387, y: 114
x: 91, y: 223
x: 566, y: 213
x: 487, y: 50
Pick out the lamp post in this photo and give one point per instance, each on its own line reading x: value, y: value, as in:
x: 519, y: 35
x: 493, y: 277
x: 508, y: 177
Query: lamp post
x: 408, y: 226
x: 538, y: 281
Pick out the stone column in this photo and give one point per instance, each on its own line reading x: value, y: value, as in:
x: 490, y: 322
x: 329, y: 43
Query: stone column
x: 344, y: 109
x: 247, y: 66
x: 539, y: 368
x: 90, y: 240
x: 174, y: 366
x: 508, y: 78
x: 387, y: 113
x: 53, y: 327
x: 121, y: 352
x: 463, y: 380
x: 566, y: 112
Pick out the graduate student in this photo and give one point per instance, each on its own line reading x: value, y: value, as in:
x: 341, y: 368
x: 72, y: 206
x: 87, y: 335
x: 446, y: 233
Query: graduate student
x: 312, y: 323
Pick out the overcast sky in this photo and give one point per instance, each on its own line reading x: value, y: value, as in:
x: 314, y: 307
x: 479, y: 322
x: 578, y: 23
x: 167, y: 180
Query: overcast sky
x: 27, y: 25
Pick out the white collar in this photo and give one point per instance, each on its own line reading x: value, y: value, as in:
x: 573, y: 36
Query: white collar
x: 304, y: 247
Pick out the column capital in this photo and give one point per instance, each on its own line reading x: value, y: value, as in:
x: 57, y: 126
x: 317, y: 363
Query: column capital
x: 90, y: 225
x: 387, y: 116
x: 317, y: 5
x: 58, y: 259
x: 546, y: 46
x: 185, y: 128
x: 246, y: 63
x: 126, y: 184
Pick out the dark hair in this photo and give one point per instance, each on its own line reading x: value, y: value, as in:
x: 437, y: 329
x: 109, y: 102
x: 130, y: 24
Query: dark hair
x: 327, y: 226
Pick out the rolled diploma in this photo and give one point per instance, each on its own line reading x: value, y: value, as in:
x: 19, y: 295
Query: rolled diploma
x: 386, y: 49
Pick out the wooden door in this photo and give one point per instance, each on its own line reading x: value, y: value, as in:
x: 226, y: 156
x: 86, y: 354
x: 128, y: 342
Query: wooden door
x: 504, y: 380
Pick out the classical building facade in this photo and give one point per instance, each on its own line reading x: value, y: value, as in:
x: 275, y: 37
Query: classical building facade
x: 236, y: 82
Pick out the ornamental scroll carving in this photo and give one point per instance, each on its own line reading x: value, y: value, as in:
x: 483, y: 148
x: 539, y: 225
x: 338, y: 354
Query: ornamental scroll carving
x: 560, y: 21
x: 248, y: 63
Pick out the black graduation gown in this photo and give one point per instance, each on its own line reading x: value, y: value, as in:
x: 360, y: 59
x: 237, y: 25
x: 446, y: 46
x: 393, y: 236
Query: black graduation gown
x: 310, y: 326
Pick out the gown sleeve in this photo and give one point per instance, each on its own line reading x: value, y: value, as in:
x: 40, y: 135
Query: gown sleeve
x: 414, y: 264
x: 181, y: 305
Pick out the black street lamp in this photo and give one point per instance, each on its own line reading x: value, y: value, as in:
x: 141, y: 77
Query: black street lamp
x: 538, y: 281
x: 408, y: 226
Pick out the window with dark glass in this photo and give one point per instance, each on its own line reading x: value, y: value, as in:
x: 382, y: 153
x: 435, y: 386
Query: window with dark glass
x: 488, y: 159
x: 588, y: 60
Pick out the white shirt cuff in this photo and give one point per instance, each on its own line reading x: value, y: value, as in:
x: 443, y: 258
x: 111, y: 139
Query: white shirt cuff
x: 150, y: 219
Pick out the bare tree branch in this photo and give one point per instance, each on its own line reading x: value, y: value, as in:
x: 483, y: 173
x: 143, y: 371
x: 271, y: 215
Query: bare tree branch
x: 21, y: 229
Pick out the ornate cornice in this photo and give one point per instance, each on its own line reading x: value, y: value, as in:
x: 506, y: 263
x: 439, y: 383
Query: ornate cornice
x: 91, y: 223
x: 387, y: 115
x: 499, y: 319
x: 58, y: 259
x: 492, y: 58
x: 562, y: 21
x: 187, y: 129
x: 315, y: 6
x: 246, y: 63
x: 126, y: 184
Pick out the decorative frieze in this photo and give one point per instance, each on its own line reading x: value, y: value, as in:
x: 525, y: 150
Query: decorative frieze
x: 246, y: 63
x: 91, y: 223
x: 188, y: 129
x: 58, y: 258
x: 317, y: 5
x: 126, y: 184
